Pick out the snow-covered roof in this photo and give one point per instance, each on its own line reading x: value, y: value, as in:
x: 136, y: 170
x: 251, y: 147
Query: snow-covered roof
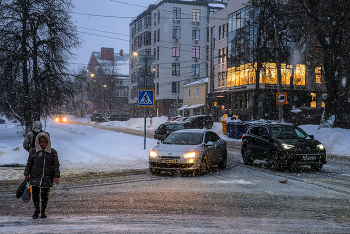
x: 201, y: 81
x: 216, y: 5
x: 195, y: 106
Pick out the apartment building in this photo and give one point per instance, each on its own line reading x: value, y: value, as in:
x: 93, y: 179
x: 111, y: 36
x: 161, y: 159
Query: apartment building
x: 171, y: 37
x: 245, y: 85
x: 108, y: 79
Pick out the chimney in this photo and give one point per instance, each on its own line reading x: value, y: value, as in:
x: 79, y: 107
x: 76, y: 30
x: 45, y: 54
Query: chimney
x: 107, y: 53
x: 121, y: 52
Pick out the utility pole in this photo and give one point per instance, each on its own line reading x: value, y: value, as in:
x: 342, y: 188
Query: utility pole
x: 278, y: 65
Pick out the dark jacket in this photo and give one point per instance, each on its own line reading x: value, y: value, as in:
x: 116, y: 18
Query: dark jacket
x: 42, y: 165
x: 37, y: 127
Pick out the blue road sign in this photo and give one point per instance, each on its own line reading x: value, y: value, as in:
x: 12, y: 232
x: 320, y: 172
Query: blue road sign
x: 145, y: 98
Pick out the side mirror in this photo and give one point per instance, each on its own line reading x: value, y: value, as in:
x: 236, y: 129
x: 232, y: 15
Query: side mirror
x: 209, y: 143
x: 312, y: 136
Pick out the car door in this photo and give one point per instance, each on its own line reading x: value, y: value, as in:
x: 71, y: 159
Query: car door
x: 262, y: 143
x: 213, y: 152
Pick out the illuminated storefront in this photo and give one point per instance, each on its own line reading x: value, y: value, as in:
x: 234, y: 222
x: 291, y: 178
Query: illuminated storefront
x: 249, y: 93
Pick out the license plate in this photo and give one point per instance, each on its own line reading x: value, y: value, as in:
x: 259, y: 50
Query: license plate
x: 308, y: 158
x: 168, y: 160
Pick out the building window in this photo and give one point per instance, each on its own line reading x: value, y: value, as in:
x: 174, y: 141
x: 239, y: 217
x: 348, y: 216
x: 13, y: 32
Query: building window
x: 174, y: 87
x: 223, y: 78
x: 158, y: 17
x: 154, y: 37
x: 318, y: 73
x: 313, y: 100
x: 175, y: 69
x: 176, y: 32
x: 197, y: 91
x: 158, y: 34
x: 195, y: 70
x: 176, y: 50
x: 196, y: 13
x: 157, y: 89
x: 195, y: 52
x: 157, y: 70
x: 121, y: 93
x: 219, y: 33
x: 157, y: 53
x: 195, y: 33
x: 206, y: 69
x: 219, y: 57
x: 155, y: 19
x: 219, y: 79
x: 176, y: 13
x: 189, y: 93
x: 223, y: 31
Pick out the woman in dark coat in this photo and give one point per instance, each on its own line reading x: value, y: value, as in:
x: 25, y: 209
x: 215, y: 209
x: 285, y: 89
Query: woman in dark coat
x: 43, y: 170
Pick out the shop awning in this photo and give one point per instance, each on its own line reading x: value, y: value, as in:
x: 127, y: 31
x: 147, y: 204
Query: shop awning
x: 182, y: 107
x: 194, y: 106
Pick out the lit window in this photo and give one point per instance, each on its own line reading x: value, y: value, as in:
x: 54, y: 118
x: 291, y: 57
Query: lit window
x: 196, y: 15
x: 176, y: 50
x: 197, y: 91
x: 318, y: 75
x: 189, y: 93
x: 299, y: 77
x: 313, y: 100
x: 195, y: 52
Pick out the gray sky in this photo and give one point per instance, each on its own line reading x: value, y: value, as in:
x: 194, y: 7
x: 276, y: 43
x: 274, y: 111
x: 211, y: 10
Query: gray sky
x: 103, y: 23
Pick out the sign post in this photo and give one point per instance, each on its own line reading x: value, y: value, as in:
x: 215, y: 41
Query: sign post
x: 145, y: 98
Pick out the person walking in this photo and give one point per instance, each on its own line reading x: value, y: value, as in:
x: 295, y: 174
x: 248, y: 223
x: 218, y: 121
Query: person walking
x: 42, y: 171
x: 29, y: 140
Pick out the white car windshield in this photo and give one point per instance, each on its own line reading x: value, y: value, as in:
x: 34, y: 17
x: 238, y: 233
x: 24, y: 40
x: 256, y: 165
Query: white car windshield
x: 184, y: 138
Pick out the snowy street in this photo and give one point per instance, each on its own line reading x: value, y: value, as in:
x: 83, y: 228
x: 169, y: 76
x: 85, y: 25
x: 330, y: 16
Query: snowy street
x: 106, y: 187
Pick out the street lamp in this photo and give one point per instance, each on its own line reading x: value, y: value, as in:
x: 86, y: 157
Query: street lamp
x: 146, y: 61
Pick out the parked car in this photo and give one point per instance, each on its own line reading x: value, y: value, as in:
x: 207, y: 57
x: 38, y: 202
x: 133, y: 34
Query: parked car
x: 199, y: 121
x: 189, y: 150
x: 165, y: 129
x: 182, y: 119
x: 282, y: 145
x: 99, y: 118
x: 60, y: 118
x: 118, y: 117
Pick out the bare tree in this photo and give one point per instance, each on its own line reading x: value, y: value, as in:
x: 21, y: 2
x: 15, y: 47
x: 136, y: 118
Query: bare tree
x: 36, y: 39
x: 331, y: 25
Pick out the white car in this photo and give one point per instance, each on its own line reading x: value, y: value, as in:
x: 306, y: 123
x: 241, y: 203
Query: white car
x: 189, y: 150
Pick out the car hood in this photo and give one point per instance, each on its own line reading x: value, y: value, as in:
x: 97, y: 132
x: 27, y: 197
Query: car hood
x: 167, y: 149
x: 301, y: 143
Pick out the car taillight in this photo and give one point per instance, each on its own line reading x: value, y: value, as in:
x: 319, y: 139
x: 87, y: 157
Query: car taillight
x: 243, y: 136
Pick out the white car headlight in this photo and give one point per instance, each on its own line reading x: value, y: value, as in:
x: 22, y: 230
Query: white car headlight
x: 287, y: 146
x: 192, y: 154
x: 320, y: 146
x: 153, y: 154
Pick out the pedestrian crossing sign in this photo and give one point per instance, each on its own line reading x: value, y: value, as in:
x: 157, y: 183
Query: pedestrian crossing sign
x: 145, y: 98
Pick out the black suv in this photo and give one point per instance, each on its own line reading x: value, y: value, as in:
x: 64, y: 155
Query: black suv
x: 199, y: 121
x: 282, y: 145
x: 165, y: 129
